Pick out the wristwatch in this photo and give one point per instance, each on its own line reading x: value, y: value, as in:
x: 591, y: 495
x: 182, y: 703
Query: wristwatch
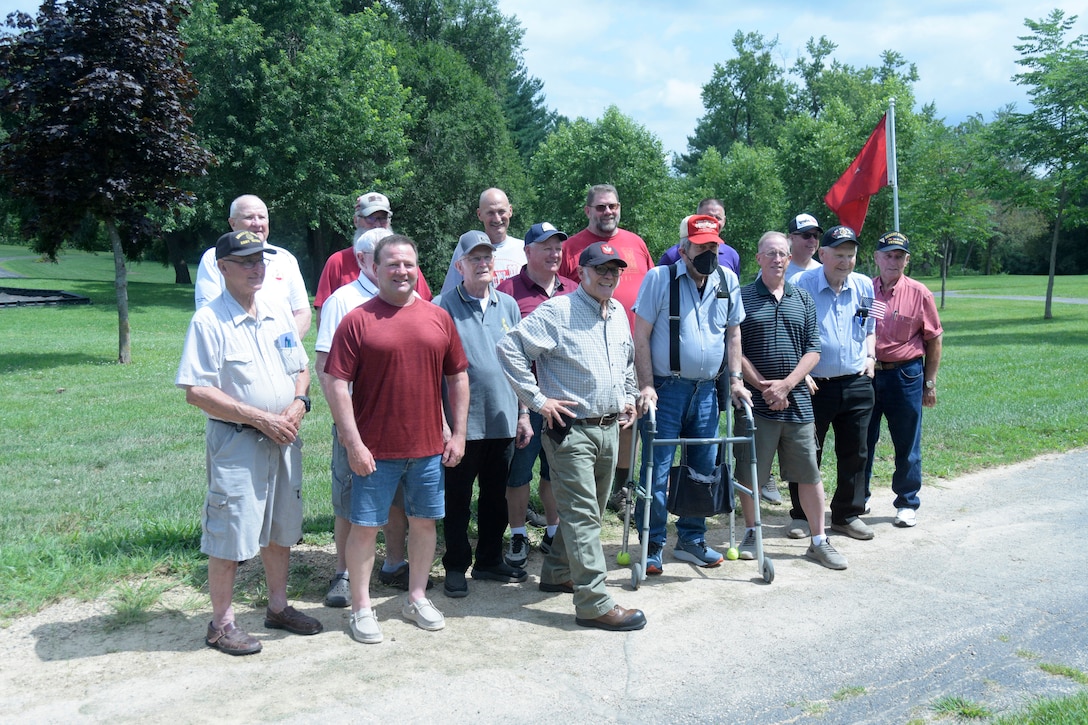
x: 931, y: 384
x: 738, y: 376
x: 305, y: 401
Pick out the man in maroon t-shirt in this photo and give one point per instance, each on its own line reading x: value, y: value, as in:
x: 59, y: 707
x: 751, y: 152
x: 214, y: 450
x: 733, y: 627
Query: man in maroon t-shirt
x: 603, y: 211
x: 396, y: 350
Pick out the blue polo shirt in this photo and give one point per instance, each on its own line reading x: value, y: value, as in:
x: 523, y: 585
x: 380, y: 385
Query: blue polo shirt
x: 703, y: 319
x: 842, y: 331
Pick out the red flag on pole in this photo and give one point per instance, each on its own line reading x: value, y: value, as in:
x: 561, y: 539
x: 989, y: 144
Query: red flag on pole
x: 868, y: 174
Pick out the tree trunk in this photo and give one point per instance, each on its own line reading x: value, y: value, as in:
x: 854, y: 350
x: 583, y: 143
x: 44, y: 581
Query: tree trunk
x: 120, y: 281
x: 174, y: 249
x: 1063, y: 197
x: 944, y: 269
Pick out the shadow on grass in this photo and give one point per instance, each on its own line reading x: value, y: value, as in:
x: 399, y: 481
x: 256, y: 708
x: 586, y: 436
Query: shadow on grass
x: 19, y: 361
x: 991, y: 333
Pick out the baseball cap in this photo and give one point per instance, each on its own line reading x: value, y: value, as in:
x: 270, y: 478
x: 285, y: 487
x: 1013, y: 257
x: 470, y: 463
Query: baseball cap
x: 804, y: 222
x: 700, y: 229
x: 600, y: 253
x: 891, y: 241
x: 240, y: 244
x: 835, y: 236
x: 540, y: 232
x: 471, y: 240
x: 371, y: 202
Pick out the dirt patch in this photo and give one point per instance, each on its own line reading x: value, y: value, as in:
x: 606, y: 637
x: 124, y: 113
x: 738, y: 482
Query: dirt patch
x: 968, y: 603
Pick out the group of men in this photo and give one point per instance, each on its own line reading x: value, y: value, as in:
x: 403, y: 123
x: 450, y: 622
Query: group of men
x: 543, y: 349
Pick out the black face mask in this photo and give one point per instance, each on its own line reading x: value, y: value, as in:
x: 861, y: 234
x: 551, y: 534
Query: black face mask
x: 706, y: 262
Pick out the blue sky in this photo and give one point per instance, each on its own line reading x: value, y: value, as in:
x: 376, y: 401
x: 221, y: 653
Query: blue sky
x: 651, y: 58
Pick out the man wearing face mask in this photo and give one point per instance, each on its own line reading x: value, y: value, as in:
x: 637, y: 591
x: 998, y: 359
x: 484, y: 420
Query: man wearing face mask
x: 679, y: 374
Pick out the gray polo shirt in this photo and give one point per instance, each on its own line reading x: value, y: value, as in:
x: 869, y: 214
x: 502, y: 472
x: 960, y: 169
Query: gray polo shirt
x: 492, y: 405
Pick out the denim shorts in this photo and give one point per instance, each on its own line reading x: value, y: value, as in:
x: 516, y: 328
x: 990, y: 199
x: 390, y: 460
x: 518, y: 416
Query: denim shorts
x: 422, y: 481
x: 521, y: 467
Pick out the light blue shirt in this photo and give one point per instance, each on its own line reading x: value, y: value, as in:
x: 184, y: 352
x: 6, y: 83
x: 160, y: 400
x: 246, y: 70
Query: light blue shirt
x: 843, y: 347
x: 703, y: 320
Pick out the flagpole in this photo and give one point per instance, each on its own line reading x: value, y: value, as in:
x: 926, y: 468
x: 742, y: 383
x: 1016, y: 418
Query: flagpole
x: 893, y: 168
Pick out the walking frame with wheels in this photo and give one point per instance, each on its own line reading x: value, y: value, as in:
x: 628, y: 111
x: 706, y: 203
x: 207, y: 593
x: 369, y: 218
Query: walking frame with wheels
x: 643, y: 490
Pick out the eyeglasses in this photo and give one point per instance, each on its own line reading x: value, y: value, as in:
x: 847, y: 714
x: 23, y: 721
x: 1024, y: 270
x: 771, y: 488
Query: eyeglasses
x: 606, y: 270
x: 602, y: 208
x: 247, y: 264
x: 807, y: 235
x: 776, y: 254
x: 376, y: 216
x: 480, y: 259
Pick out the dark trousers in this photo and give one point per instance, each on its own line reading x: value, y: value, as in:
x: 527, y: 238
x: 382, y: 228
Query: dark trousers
x: 488, y: 460
x: 844, y: 404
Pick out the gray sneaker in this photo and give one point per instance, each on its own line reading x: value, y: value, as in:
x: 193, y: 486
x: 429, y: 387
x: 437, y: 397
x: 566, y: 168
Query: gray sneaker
x: 339, y: 594
x: 518, y: 551
x: 798, y: 529
x: 825, y: 554
x: 855, y: 529
x: 769, y: 492
x: 747, y: 548
x: 534, y: 519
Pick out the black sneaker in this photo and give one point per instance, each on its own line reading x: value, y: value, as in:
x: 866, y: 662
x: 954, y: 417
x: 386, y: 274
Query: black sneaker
x: 398, y: 578
x: 501, y: 572
x: 545, y: 544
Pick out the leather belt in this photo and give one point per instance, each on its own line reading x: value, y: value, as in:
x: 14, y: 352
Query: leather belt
x: 893, y: 365
x: 604, y: 421
x: 236, y: 426
x: 837, y: 378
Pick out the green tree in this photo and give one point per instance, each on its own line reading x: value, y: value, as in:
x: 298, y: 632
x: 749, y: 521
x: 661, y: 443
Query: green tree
x: 96, y: 98
x: 745, y: 100
x: 612, y: 150
x: 459, y: 146
x: 302, y: 106
x: 1053, y: 136
x: 747, y: 182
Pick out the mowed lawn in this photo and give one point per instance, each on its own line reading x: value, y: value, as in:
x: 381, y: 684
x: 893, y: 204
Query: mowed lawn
x: 102, y: 465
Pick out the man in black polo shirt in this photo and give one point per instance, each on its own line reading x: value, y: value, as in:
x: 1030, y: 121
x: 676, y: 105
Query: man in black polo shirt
x: 781, y: 344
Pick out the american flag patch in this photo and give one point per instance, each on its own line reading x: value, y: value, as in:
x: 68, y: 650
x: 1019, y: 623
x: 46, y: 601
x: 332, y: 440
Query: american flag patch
x: 877, y: 309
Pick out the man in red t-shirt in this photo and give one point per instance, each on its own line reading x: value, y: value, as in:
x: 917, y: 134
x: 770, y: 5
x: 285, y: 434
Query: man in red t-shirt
x: 396, y: 350
x: 371, y: 212
x: 603, y: 211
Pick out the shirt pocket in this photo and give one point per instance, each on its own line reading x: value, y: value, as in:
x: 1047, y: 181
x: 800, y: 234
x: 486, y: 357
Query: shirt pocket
x: 240, y: 368
x: 900, y: 328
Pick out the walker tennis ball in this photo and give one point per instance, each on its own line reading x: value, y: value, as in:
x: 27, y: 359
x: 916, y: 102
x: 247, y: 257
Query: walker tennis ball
x: 732, y: 553
x: 623, y: 558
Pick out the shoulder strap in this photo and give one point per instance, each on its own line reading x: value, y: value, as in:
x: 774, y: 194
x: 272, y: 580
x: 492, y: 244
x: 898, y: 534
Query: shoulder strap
x: 674, y: 319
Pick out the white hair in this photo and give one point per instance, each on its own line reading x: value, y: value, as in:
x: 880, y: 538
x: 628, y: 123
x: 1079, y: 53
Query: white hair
x: 365, y: 240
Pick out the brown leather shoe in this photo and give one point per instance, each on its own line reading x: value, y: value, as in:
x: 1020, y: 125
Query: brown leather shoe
x: 292, y: 620
x: 566, y: 587
x: 617, y: 619
x: 232, y: 640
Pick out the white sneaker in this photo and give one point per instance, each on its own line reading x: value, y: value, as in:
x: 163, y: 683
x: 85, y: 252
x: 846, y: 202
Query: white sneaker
x: 905, y: 518
x: 424, y: 614
x: 364, y: 626
x: 769, y: 492
x: 747, y: 548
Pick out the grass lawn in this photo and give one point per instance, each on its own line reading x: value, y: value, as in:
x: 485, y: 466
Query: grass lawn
x: 103, y: 465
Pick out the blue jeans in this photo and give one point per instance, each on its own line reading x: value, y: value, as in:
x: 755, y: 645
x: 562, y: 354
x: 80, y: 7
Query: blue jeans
x: 899, y: 399
x: 685, y: 409
x: 422, y: 481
